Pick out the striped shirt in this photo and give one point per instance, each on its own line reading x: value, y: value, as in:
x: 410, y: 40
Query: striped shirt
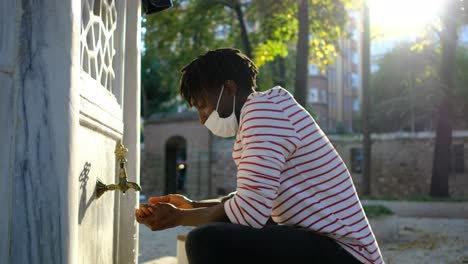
x: 288, y: 169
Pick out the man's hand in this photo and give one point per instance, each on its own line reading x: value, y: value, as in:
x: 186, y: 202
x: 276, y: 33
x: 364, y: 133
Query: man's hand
x: 177, y: 200
x: 158, y: 216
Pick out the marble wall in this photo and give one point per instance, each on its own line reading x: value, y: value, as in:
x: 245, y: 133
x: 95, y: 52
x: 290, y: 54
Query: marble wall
x: 39, y: 132
x: 34, y: 95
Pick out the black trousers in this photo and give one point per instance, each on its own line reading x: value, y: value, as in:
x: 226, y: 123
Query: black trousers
x: 232, y: 243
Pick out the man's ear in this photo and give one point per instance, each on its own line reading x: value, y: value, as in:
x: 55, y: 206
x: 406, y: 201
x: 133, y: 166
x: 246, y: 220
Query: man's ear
x: 231, y: 87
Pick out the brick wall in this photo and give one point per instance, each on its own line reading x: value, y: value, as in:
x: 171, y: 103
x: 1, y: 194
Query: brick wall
x: 223, y: 166
x: 401, y: 163
x: 158, y: 130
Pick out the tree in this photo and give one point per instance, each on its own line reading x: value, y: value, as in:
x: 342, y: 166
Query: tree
x: 320, y: 25
x: 407, y: 84
x: 302, y: 57
x: 461, y: 92
x: 325, y: 21
x: 405, y: 89
x: 172, y: 39
x: 236, y: 6
x: 453, y: 15
x: 265, y: 29
x: 366, y: 139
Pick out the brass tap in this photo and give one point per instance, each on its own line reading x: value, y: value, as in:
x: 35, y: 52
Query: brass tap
x: 123, y: 185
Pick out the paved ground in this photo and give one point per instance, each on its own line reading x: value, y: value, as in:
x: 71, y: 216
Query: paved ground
x: 159, y: 247
x: 421, y: 241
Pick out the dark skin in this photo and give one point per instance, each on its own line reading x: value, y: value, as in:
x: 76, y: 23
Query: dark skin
x: 173, y: 210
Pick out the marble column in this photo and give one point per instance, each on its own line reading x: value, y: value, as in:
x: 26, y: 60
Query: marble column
x: 35, y: 105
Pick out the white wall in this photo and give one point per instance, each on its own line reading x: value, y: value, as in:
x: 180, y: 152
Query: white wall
x: 128, y: 233
x: 8, y: 54
x: 35, y: 62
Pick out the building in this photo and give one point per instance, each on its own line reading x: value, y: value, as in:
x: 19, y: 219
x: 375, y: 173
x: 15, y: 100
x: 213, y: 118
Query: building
x: 172, y: 139
x: 335, y: 98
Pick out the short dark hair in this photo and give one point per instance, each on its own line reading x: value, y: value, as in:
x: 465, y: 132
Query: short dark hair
x: 210, y: 71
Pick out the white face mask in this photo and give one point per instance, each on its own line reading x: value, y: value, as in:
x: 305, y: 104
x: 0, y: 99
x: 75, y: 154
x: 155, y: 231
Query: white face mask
x: 223, y: 127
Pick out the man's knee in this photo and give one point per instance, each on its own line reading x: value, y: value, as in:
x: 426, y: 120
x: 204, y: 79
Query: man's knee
x: 203, y: 235
x: 202, y: 244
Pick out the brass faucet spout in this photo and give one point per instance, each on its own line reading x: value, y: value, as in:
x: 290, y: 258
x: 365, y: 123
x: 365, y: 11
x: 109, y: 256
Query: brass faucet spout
x: 123, y: 185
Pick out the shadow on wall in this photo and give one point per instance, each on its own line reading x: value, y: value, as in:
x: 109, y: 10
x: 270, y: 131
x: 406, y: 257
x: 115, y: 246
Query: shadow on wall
x: 84, y: 205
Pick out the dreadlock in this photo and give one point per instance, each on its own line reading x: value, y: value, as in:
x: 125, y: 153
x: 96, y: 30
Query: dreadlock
x: 210, y: 71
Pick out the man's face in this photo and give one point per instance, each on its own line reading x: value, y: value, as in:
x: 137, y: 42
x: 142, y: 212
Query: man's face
x: 205, y: 106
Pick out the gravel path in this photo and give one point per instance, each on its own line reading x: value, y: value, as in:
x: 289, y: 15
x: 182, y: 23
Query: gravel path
x: 428, y: 240
x: 421, y: 241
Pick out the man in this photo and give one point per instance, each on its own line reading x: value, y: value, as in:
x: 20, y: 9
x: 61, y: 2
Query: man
x: 295, y: 200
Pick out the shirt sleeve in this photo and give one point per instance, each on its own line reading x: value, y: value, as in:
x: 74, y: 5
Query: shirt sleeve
x: 268, y: 139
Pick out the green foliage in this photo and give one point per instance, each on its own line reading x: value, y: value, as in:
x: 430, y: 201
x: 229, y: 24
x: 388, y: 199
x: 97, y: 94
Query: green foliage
x: 404, y: 90
x: 373, y: 211
x: 408, y: 80
x: 328, y: 20
x: 278, y: 29
x: 172, y: 39
x: 178, y: 35
x: 461, y: 90
x: 328, y: 25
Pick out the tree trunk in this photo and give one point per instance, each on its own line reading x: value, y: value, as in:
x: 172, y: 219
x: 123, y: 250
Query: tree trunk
x: 443, y: 141
x: 302, y: 57
x: 366, y: 143
x: 282, y: 70
x: 279, y: 69
x: 244, y: 35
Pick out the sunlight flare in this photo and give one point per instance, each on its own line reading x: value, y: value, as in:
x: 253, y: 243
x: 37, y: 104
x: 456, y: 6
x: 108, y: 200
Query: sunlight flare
x: 403, y: 17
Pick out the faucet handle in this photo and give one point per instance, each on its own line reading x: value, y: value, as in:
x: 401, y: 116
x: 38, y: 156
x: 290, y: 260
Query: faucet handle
x: 121, y: 151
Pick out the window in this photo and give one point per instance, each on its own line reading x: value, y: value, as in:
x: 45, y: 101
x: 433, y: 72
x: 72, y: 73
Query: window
x: 313, y: 95
x: 355, y: 34
x: 99, y: 42
x: 356, y: 105
x: 356, y: 160
x: 355, y: 80
x: 313, y: 69
x: 457, y: 159
x: 355, y: 58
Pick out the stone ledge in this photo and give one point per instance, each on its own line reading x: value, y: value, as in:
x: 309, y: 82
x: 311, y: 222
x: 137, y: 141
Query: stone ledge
x: 424, y: 209
x: 396, y: 135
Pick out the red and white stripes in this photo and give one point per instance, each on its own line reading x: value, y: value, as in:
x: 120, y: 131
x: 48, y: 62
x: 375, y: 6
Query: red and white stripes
x: 289, y: 170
